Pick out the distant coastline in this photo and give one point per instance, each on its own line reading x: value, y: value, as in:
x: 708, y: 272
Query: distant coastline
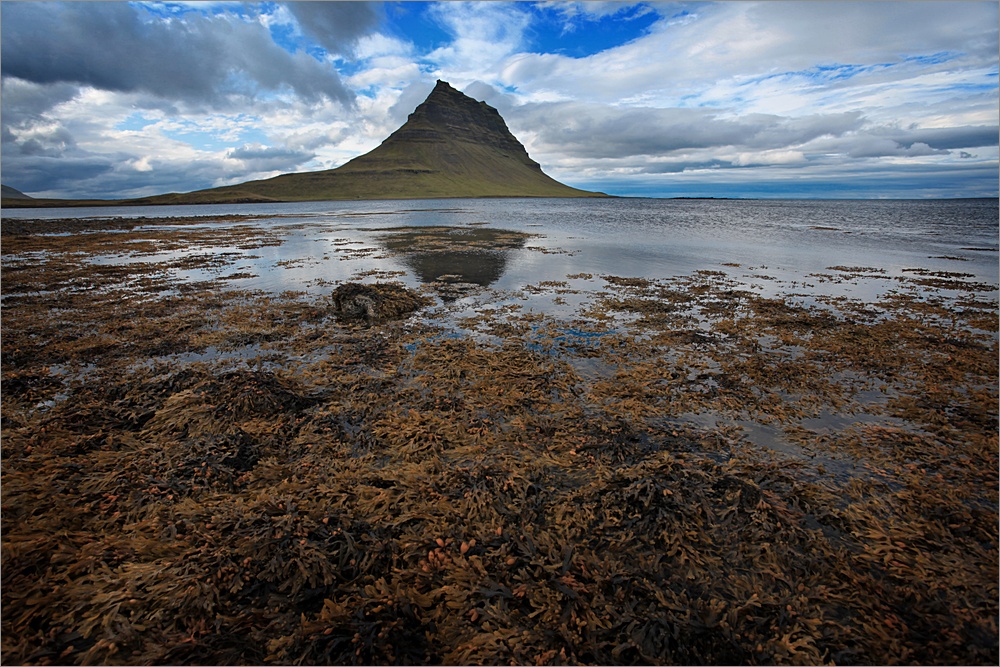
x: 18, y: 203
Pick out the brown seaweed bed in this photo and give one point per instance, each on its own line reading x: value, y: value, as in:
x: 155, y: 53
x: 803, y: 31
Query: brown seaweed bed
x: 195, y: 474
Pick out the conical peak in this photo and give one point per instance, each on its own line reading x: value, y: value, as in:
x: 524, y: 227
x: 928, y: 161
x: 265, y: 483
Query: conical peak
x: 445, y: 91
x: 446, y: 95
x: 444, y: 86
x: 450, y: 115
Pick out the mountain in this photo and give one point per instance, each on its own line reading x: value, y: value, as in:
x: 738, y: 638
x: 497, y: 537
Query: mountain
x: 8, y: 192
x: 450, y: 146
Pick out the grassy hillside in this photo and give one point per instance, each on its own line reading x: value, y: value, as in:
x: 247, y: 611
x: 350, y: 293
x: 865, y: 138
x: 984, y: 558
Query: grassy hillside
x: 391, y: 171
x: 11, y: 193
x: 413, y: 171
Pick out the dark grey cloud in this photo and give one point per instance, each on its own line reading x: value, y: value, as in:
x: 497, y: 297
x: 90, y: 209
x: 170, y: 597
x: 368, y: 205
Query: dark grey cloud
x: 777, y: 131
x: 880, y: 141
x: 971, y: 136
x: 39, y: 173
x: 79, y: 174
x: 54, y: 165
x: 24, y: 101
x: 200, y: 60
x: 335, y: 25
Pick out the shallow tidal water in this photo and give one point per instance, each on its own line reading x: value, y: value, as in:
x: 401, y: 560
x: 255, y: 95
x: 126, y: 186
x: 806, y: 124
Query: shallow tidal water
x: 770, y: 246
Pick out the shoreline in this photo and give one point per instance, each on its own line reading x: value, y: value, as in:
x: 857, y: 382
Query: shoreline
x: 17, y: 203
x: 195, y: 473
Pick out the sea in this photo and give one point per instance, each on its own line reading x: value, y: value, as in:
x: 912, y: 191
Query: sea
x: 771, y: 246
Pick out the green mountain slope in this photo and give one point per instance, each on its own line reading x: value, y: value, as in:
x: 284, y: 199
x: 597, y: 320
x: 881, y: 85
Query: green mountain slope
x: 11, y: 193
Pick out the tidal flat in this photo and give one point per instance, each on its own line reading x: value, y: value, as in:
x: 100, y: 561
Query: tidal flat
x: 653, y: 470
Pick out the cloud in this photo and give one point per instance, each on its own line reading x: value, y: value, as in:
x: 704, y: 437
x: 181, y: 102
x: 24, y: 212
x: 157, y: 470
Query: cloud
x: 588, y: 130
x: 25, y: 101
x: 128, y: 99
x: 135, y: 98
x: 200, y: 60
x: 593, y: 9
x: 746, y: 56
x: 259, y: 158
x: 37, y: 172
x: 408, y: 99
x: 83, y: 174
x: 484, y: 34
x: 881, y: 141
x: 604, y: 147
x: 875, y: 147
x: 949, y: 137
x: 480, y: 90
x: 336, y: 26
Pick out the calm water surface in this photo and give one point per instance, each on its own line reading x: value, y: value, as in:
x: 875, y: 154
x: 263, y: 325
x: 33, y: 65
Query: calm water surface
x: 767, y: 245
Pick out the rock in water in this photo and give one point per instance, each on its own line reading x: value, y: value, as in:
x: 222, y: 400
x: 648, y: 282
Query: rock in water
x: 378, y: 301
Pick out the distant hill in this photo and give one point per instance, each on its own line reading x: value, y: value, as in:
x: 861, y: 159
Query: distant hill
x: 450, y: 146
x: 8, y: 192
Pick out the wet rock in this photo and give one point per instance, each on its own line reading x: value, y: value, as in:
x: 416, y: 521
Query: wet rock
x: 378, y: 301
x: 452, y: 286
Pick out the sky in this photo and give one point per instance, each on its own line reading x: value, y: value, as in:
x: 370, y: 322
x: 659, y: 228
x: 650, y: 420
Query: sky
x: 661, y: 99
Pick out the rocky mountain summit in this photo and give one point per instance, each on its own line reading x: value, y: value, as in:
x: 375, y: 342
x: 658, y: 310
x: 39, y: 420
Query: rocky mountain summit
x: 449, y: 114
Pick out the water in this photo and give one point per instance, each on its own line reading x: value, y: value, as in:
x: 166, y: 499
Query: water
x: 787, y: 248
x: 768, y: 245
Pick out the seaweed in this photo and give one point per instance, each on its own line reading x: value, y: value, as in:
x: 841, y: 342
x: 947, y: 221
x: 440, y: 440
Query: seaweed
x: 371, y: 303
x: 505, y: 487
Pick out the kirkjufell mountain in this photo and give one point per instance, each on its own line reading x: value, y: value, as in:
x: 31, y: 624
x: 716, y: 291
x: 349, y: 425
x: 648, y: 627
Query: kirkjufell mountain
x: 450, y: 146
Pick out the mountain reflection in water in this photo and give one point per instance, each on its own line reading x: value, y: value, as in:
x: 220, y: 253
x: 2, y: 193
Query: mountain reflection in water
x: 476, y: 255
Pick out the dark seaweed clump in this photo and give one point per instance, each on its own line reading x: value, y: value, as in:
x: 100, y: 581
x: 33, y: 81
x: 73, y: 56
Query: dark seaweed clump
x: 374, y: 302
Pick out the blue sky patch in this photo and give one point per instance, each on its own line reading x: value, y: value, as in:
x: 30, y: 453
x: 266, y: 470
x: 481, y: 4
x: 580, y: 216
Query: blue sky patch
x: 841, y: 71
x: 134, y: 123
x: 411, y: 21
x: 284, y: 35
x: 217, y: 140
x: 933, y: 58
x: 582, y: 35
